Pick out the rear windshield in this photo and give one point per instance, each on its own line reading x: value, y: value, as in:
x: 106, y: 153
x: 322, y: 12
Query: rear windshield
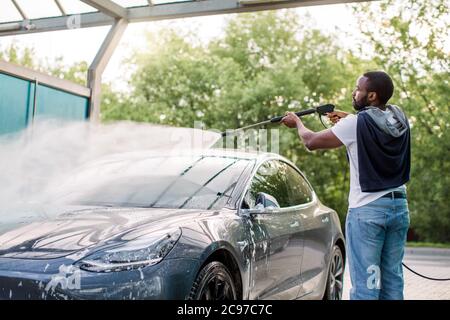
x: 203, y: 182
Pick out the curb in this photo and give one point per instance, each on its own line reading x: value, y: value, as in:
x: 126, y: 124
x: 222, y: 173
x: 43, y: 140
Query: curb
x: 427, y: 251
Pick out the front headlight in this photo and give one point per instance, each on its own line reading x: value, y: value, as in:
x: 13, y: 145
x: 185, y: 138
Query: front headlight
x: 132, y: 255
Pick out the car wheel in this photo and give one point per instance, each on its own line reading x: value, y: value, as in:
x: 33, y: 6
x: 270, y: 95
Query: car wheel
x: 335, y: 278
x: 214, y: 282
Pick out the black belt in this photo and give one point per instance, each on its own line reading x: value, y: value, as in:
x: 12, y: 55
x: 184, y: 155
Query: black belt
x: 395, y: 195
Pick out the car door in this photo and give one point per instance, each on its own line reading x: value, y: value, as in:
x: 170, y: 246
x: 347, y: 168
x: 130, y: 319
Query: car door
x: 276, y: 240
x: 316, y: 233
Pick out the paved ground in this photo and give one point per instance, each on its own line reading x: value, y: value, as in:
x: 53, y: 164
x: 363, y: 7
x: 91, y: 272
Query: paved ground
x: 431, y: 262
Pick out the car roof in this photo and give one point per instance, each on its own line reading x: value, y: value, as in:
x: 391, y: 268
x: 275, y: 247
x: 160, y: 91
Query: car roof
x: 242, y: 154
x: 214, y: 152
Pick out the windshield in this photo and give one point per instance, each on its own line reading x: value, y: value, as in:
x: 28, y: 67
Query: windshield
x: 200, y: 182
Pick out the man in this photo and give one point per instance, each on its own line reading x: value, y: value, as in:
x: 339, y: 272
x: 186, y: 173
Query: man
x: 377, y: 139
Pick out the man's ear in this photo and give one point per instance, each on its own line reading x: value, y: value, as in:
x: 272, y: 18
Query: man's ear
x: 372, y: 96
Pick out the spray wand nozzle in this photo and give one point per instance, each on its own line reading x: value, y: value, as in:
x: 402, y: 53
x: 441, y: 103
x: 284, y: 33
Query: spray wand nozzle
x: 321, y: 110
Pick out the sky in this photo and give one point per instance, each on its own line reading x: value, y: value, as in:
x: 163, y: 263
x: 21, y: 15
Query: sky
x: 82, y: 44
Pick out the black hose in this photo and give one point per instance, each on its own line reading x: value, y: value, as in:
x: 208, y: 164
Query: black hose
x: 421, y: 275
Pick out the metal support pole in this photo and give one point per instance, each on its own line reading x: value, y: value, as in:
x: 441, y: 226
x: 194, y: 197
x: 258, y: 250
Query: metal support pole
x: 33, y: 114
x: 163, y: 11
x: 99, y: 64
x: 108, y: 7
x: 60, y: 7
x: 22, y: 13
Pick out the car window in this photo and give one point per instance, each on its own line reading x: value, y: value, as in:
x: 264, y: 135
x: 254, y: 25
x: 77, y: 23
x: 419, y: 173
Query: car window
x: 271, y: 179
x: 299, y: 190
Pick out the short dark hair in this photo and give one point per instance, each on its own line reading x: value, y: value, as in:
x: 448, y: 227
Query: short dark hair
x: 381, y: 83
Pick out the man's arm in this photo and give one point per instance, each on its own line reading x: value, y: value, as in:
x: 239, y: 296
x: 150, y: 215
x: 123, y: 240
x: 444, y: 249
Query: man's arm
x: 324, y: 139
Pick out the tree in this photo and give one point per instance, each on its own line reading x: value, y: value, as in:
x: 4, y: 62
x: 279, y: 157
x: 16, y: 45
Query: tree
x: 21, y: 56
x: 25, y: 56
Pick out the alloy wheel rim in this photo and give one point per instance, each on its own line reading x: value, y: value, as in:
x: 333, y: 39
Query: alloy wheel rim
x: 336, y: 277
x: 218, y: 287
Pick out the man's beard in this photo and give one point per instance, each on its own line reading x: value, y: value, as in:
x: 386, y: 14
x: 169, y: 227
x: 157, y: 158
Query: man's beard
x: 358, y: 105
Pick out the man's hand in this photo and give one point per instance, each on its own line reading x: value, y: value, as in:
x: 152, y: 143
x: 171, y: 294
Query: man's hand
x: 335, y: 116
x: 324, y: 139
x: 291, y: 120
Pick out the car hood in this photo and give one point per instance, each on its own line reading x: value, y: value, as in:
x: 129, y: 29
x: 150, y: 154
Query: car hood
x: 79, y: 232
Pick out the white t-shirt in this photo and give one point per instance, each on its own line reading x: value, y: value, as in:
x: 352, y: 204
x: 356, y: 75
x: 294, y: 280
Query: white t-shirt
x: 345, y: 130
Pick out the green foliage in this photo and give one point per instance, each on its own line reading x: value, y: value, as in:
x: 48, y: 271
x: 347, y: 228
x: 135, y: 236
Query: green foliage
x: 17, y: 55
x: 24, y: 56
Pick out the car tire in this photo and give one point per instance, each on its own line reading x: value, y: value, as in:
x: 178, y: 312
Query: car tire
x: 334, y: 285
x: 214, y: 282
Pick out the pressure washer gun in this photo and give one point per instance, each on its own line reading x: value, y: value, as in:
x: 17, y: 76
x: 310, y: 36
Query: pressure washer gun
x: 321, y: 110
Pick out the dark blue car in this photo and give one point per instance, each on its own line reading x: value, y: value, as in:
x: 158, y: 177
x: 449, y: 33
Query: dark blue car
x: 214, y: 225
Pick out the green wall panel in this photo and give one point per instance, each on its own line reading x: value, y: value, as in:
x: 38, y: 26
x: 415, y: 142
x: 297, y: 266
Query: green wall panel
x: 54, y: 103
x: 16, y: 104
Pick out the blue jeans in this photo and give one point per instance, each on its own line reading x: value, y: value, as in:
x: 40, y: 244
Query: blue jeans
x: 375, y: 239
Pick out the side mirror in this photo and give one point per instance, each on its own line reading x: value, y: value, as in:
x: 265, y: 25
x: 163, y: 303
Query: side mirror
x: 266, y: 200
x: 264, y: 204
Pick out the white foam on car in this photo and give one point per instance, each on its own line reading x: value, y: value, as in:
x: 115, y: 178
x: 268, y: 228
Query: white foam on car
x: 44, y: 153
